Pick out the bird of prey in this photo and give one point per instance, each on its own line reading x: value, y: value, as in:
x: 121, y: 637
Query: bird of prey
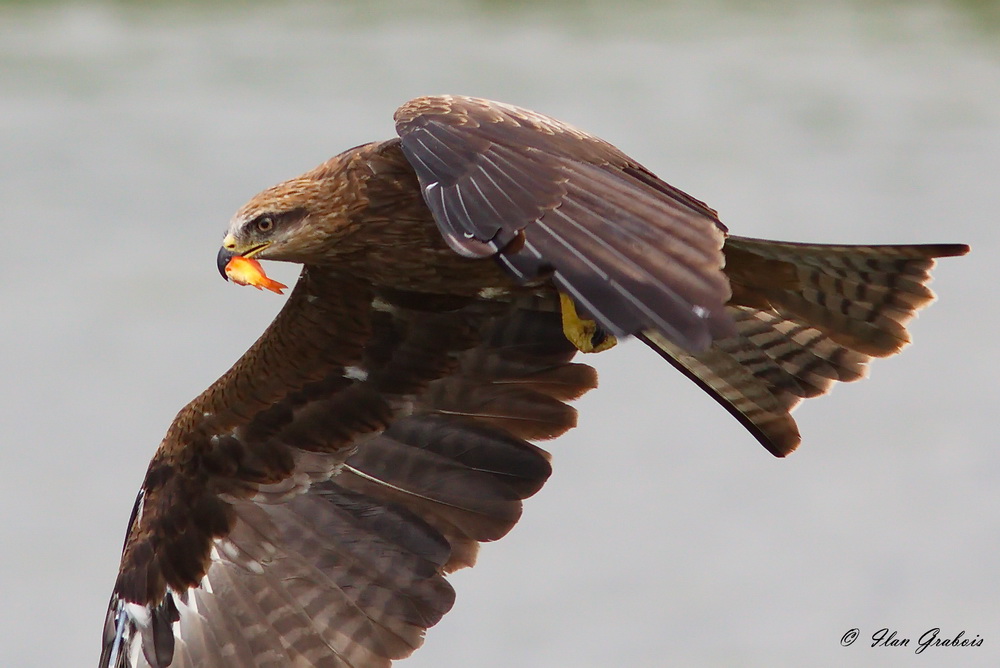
x: 305, y: 509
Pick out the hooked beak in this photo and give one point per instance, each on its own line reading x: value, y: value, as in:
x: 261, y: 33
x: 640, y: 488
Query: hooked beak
x: 225, y: 255
x: 230, y: 250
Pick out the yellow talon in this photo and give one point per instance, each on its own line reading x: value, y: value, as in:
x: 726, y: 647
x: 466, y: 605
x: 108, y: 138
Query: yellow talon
x: 584, y: 334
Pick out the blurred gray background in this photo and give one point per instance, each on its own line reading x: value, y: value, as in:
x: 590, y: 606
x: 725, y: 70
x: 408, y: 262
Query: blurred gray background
x: 130, y: 132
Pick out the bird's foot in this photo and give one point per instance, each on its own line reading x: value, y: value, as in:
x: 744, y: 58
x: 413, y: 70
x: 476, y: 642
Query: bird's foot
x: 586, y: 335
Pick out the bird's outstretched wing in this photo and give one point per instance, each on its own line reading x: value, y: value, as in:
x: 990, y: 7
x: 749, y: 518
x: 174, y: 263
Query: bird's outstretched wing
x: 547, y: 199
x: 305, y: 508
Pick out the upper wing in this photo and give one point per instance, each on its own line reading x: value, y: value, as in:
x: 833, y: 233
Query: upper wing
x: 304, y: 509
x: 546, y: 198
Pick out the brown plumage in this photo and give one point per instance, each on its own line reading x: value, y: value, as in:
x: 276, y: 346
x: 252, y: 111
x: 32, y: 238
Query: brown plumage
x: 304, y: 509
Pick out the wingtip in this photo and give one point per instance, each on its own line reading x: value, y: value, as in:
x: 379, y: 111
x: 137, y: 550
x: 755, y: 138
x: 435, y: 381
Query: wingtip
x: 114, y: 634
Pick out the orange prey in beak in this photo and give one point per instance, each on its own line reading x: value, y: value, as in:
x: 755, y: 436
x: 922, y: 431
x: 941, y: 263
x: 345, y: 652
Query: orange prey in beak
x: 245, y: 271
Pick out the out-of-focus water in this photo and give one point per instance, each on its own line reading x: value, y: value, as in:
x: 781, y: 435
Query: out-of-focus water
x: 130, y: 133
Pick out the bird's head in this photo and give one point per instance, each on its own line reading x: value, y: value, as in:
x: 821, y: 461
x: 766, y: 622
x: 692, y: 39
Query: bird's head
x: 295, y: 221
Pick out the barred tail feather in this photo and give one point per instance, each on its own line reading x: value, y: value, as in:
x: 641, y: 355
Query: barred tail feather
x: 762, y: 373
x: 806, y: 316
x: 861, y: 296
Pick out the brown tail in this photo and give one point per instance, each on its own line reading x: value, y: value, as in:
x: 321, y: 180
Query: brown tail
x: 806, y: 315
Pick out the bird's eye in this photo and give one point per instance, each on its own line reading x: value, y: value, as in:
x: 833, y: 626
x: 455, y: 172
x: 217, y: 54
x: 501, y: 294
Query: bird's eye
x: 265, y: 223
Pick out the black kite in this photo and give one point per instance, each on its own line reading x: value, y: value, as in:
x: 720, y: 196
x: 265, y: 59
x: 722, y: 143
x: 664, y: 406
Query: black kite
x: 304, y: 510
